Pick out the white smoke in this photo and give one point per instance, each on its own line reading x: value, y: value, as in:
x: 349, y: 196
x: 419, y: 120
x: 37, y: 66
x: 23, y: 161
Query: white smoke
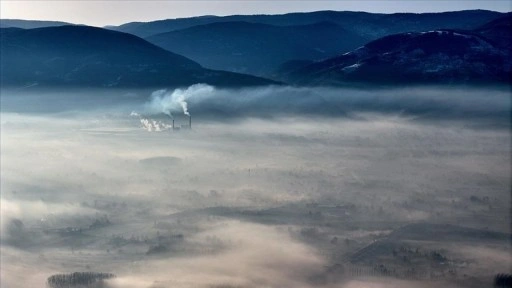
x: 150, y: 124
x: 167, y: 102
x: 184, y: 106
x: 153, y: 125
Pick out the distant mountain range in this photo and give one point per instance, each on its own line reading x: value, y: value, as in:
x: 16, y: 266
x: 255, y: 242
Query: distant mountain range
x: 367, y: 25
x: 29, y: 24
x: 475, y: 56
x: 257, y: 48
x: 317, y: 48
x: 96, y: 57
x: 260, y: 44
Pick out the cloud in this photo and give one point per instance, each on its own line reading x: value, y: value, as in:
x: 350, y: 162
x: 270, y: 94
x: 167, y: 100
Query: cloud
x: 255, y: 256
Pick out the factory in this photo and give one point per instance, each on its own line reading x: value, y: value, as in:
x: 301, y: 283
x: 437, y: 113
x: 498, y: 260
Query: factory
x: 176, y: 127
x: 159, y: 124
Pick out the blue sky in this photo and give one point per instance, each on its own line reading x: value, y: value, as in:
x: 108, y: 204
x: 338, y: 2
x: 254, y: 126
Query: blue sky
x: 114, y: 12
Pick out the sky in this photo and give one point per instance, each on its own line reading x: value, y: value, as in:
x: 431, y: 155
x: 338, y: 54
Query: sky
x: 116, y: 12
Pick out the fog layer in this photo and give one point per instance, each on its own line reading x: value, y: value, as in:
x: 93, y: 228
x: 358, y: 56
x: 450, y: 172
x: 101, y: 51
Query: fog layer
x: 272, y: 187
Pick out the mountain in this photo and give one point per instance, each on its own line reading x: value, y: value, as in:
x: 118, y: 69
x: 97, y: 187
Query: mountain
x: 499, y: 31
x: 95, y: 57
x: 145, y: 29
x: 439, y: 56
x: 368, y: 25
x: 261, y: 44
x: 29, y: 24
x: 257, y: 48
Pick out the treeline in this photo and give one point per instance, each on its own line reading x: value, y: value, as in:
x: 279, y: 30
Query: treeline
x: 503, y: 281
x: 78, y: 279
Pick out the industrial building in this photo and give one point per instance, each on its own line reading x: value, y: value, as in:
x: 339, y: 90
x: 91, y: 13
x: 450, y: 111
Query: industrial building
x: 176, y: 127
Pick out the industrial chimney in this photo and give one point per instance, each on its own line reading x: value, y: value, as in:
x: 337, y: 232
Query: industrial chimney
x: 189, y: 122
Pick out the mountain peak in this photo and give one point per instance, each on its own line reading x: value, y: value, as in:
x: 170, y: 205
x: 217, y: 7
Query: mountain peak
x: 436, y: 56
x: 91, y: 56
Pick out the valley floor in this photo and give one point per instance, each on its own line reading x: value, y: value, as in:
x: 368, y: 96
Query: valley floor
x: 375, y: 201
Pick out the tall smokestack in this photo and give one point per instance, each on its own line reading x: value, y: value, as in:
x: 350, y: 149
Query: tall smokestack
x: 189, y: 122
x: 172, y: 124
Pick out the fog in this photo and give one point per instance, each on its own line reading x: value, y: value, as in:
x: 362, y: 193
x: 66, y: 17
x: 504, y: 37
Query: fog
x: 487, y: 104
x: 272, y: 187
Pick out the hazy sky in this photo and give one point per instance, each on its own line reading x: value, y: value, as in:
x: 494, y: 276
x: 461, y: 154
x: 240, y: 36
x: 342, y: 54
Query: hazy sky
x: 114, y: 12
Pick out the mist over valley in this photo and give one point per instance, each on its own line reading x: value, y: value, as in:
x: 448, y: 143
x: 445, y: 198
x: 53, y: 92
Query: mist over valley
x: 320, y: 149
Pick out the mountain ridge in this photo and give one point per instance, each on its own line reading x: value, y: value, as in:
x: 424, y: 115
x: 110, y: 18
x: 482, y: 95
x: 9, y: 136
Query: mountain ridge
x: 90, y: 56
x: 256, y: 48
x: 438, y: 56
x: 365, y: 23
x: 30, y: 24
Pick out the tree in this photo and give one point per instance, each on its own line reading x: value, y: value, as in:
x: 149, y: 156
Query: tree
x: 78, y: 279
x: 503, y: 281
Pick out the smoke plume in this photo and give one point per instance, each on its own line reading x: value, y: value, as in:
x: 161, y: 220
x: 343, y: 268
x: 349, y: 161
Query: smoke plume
x: 150, y: 124
x: 167, y: 102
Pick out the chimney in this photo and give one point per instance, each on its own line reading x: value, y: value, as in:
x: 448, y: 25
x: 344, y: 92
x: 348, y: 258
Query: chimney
x: 190, y: 122
x: 172, y: 124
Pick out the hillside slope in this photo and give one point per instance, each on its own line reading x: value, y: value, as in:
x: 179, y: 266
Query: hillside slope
x: 439, y: 56
x: 88, y: 56
x: 257, y: 48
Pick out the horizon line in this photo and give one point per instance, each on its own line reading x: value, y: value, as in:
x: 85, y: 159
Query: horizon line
x: 256, y: 14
